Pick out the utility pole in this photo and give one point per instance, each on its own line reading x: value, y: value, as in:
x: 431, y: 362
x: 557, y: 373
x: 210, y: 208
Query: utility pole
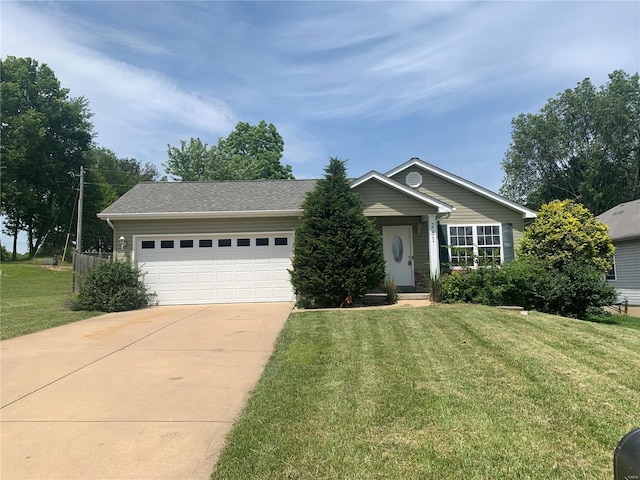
x: 80, y: 199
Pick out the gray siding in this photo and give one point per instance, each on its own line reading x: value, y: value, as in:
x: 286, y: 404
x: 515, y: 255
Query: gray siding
x: 627, y: 280
x: 382, y: 200
x: 129, y: 228
x: 470, y: 207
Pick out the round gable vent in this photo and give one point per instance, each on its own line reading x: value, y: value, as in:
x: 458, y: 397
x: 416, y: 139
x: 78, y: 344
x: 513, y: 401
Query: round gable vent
x: 414, y: 179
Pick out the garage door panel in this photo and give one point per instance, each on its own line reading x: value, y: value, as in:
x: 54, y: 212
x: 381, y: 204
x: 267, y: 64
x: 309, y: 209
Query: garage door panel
x: 205, y: 277
x: 187, y: 277
x: 224, y: 276
x: 224, y: 294
x: 217, y: 274
x: 281, y: 276
x: 262, y: 276
x: 244, y: 276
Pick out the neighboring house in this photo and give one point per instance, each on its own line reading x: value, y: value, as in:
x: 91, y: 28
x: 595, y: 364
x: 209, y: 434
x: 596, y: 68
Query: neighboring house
x: 224, y: 242
x: 624, y: 229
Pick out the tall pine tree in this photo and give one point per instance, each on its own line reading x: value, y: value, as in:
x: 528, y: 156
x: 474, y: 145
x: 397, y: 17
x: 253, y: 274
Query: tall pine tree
x: 337, y: 254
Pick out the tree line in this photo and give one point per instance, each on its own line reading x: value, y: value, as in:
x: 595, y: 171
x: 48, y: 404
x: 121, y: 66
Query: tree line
x: 583, y: 145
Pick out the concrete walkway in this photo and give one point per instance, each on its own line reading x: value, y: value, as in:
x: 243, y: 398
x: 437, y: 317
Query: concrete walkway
x: 137, y: 395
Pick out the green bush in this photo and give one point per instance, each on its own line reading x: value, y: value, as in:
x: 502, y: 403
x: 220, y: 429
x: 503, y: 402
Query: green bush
x: 566, y: 232
x: 575, y: 290
x: 112, y: 287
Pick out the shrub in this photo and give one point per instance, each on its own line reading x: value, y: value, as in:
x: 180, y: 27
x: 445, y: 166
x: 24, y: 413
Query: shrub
x: 566, y: 232
x: 575, y: 290
x: 112, y: 287
x: 391, y: 289
x: 337, y: 254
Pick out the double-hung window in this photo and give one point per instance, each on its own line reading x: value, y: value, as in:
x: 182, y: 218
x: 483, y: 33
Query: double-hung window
x: 468, y: 243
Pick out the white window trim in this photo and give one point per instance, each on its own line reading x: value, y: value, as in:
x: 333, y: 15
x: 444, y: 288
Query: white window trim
x: 475, y: 242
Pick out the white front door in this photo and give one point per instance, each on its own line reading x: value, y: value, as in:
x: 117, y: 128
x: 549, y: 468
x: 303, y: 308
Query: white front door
x: 398, y: 253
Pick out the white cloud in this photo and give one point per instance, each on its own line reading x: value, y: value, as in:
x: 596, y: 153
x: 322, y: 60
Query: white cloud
x: 127, y: 100
x: 366, y: 60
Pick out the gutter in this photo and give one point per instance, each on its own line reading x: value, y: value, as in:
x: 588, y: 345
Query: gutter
x: 199, y: 215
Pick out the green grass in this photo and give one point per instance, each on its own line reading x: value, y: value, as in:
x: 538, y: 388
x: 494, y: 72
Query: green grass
x: 33, y: 298
x: 616, y: 319
x: 450, y: 391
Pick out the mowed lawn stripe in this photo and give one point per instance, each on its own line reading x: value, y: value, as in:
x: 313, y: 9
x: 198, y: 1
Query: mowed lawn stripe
x: 438, y: 392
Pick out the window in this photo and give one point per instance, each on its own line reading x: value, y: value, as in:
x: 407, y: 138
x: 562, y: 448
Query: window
x: 468, y: 243
x: 262, y: 242
x: 148, y: 244
x: 489, y: 242
x: 462, y: 251
x: 611, y: 274
x: 243, y: 242
x: 224, y: 242
x: 186, y: 243
x: 166, y: 244
x: 205, y: 243
x: 280, y: 241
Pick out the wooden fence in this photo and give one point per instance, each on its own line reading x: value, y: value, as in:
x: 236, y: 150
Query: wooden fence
x: 84, y: 262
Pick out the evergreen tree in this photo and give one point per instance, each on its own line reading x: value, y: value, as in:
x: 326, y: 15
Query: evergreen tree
x: 337, y: 254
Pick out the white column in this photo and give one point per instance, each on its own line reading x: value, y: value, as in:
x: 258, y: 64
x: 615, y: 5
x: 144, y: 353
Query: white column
x: 434, y: 247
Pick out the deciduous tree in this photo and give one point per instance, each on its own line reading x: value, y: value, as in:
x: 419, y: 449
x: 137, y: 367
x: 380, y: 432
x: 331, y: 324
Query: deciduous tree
x: 583, y: 145
x: 108, y: 177
x: 44, y: 135
x: 250, y: 152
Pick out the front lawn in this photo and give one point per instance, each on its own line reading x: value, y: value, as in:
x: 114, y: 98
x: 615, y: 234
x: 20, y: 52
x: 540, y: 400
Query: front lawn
x: 33, y: 298
x: 451, y: 391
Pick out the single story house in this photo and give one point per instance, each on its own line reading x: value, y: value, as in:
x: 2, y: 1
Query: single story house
x: 226, y: 242
x: 624, y: 229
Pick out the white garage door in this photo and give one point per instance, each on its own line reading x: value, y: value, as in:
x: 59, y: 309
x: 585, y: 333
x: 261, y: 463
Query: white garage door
x: 216, y: 269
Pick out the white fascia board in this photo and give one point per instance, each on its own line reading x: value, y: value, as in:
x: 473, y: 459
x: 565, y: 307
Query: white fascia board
x: 373, y: 175
x: 526, y: 213
x: 182, y: 215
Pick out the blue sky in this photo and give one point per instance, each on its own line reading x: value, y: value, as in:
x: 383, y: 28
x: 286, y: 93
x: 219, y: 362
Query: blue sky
x: 372, y: 82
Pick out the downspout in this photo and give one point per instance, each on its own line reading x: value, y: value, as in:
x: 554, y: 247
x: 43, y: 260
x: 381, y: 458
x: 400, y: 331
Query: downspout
x: 113, y: 240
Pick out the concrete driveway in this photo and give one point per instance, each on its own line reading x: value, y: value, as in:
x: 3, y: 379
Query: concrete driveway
x: 135, y: 395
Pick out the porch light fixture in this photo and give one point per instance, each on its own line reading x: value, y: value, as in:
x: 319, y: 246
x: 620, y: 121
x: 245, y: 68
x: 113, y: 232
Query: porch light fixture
x: 123, y: 242
x: 419, y: 228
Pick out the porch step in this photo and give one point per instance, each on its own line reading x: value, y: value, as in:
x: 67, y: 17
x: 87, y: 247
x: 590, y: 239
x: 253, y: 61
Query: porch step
x: 381, y: 298
x: 413, y: 296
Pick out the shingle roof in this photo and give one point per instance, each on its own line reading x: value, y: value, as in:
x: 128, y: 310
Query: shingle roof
x: 623, y: 220
x: 201, y: 197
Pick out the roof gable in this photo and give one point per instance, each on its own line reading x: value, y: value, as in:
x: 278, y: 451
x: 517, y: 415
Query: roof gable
x: 526, y: 213
x: 375, y: 176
